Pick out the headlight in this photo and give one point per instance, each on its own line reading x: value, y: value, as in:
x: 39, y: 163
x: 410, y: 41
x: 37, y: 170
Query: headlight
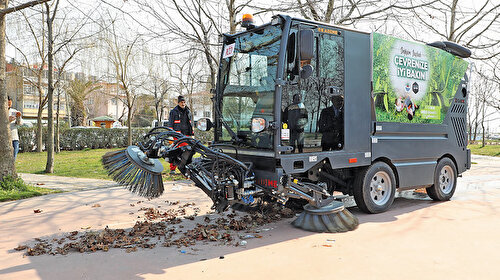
x: 258, y: 124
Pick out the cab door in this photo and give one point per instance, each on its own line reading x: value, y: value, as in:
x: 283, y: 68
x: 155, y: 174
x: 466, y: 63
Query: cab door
x: 312, y: 107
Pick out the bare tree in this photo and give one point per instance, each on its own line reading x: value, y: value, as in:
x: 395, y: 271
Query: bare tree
x: 474, y: 26
x: 49, y: 167
x: 483, y: 103
x: 156, y: 82
x: 159, y: 88
x: 346, y: 12
x: 192, y: 25
x: 35, y: 62
x: 495, y: 78
x: 70, y: 40
x: 187, y: 75
x: 66, y: 38
x: 121, y: 55
x: 7, y: 166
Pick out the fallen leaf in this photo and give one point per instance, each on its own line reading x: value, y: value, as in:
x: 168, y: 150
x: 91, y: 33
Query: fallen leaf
x: 96, y: 205
x: 133, y: 249
x: 37, y: 211
x: 20, y: 247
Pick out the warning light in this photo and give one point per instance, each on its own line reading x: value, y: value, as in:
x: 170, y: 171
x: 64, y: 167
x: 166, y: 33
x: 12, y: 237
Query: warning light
x: 247, y: 21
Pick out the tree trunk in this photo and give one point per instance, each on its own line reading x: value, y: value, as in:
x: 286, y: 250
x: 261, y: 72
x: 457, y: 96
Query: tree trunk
x: 49, y: 167
x: 7, y: 166
x: 129, y: 124
x: 474, y: 138
x: 483, y: 142
x: 232, y: 16
x: 39, y: 125
x: 58, y: 107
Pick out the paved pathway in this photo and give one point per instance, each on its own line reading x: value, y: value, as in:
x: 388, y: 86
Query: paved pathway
x: 71, y: 184
x: 416, y: 239
x: 66, y: 183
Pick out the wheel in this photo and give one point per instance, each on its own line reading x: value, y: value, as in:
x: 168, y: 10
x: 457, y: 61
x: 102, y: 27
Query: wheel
x: 374, y: 188
x: 445, y: 181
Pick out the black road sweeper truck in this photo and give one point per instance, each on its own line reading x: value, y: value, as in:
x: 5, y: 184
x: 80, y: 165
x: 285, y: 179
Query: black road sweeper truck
x: 312, y: 112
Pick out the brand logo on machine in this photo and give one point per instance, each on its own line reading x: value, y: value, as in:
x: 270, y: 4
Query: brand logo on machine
x: 268, y: 183
x: 407, y: 87
x: 414, y: 87
x: 329, y: 31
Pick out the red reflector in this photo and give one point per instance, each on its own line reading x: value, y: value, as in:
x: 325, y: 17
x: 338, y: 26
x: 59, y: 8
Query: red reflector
x: 353, y: 160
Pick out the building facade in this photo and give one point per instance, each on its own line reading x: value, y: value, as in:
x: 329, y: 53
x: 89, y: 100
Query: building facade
x: 22, y: 88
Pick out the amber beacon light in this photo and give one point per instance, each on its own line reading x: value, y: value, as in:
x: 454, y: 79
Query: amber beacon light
x: 247, y: 21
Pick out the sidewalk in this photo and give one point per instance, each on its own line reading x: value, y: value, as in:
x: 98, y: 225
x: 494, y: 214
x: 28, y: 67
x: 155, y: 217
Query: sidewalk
x: 68, y: 184
x: 445, y: 238
x: 73, y: 184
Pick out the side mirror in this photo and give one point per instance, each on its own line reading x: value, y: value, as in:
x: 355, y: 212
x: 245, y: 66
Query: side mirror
x: 204, y: 124
x: 258, y: 125
x: 306, y: 44
x: 291, y: 48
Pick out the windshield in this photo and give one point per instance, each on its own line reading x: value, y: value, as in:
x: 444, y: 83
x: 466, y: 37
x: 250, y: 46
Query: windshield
x: 248, y: 75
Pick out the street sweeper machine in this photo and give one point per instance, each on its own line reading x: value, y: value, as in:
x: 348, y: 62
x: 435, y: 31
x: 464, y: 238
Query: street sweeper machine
x: 306, y: 111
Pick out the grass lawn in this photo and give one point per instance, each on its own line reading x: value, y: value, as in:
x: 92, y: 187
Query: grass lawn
x: 30, y: 192
x: 488, y: 150
x: 14, y: 189
x: 81, y: 164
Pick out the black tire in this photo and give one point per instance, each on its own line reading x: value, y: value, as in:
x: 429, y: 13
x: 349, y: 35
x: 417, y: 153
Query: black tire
x: 369, y: 199
x: 445, y: 180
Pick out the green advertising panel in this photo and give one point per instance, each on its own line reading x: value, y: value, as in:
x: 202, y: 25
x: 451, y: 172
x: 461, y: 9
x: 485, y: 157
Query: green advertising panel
x: 412, y: 82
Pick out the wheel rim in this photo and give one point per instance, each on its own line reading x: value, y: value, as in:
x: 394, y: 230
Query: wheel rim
x: 380, y: 188
x: 446, y: 179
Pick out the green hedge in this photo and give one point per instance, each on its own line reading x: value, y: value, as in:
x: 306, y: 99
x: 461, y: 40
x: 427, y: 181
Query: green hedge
x: 91, y: 138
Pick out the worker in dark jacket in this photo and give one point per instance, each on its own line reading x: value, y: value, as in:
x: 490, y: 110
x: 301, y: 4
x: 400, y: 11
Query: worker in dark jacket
x: 331, y: 125
x: 295, y: 116
x: 180, y: 120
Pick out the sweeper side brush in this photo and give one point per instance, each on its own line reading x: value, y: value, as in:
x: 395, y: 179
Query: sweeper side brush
x: 332, y: 217
x: 134, y: 170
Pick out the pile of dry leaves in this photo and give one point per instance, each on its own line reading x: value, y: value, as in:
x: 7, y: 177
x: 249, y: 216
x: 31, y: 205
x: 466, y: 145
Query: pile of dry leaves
x: 162, y: 228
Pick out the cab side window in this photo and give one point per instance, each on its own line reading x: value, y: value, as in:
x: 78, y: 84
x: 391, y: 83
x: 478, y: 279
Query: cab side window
x: 331, y: 74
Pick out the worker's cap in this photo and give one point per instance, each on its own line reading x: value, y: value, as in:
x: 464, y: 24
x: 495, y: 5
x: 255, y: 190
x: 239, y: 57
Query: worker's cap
x: 180, y: 99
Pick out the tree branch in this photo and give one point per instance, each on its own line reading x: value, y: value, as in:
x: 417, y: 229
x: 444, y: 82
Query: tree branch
x: 22, y: 6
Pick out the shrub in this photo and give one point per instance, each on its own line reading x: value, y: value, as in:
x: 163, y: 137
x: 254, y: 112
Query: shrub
x: 92, y: 138
x: 9, y: 183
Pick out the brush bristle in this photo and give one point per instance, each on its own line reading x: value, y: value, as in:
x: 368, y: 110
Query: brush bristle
x: 129, y: 174
x: 340, y: 221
